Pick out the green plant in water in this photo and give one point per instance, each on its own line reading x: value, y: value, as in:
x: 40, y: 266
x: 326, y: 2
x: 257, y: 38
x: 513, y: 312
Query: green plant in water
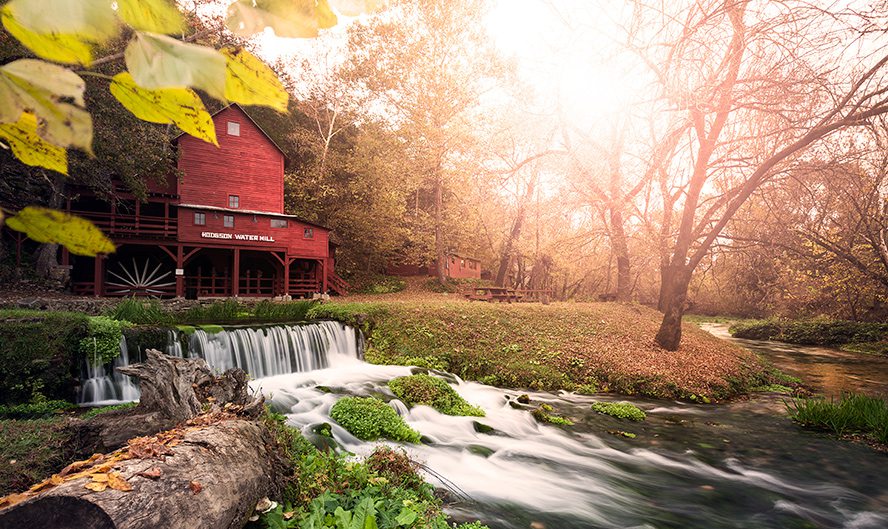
x: 427, y: 390
x: 853, y: 413
x: 620, y: 410
x: 102, y: 342
x: 140, y: 312
x: 369, y: 418
x: 586, y: 389
x: 544, y: 413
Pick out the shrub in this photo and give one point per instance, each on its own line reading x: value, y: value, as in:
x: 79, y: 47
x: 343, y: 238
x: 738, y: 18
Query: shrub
x: 853, y: 413
x: 38, y: 355
x: 432, y: 391
x: 755, y: 330
x: 620, y: 410
x: 369, y: 418
x: 102, y: 343
x: 812, y: 332
x: 379, y: 284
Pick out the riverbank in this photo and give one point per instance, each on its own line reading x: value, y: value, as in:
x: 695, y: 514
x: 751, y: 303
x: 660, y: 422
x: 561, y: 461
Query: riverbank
x: 586, y: 347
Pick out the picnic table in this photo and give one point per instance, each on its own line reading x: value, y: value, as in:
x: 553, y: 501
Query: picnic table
x: 507, y: 295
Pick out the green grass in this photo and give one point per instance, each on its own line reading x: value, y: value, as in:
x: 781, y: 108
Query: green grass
x: 369, y: 418
x: 851, y: 414
x: 34, y: 410
x: 141, y: 312
x: 31, y: 451
x: 620, y: 410
x: 432, y: 391
x: 548, y: 347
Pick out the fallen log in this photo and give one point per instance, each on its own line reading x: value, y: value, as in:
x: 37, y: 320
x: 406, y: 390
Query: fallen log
x: 209, y: 465
x: 196, y: 476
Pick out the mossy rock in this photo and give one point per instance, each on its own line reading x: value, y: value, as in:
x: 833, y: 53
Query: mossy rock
x: 620, y: 410
x: 545, y: 413
x: 369, y: 418
x: 427, y: 390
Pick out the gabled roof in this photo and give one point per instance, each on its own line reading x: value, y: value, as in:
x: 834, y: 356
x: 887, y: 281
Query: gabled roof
x: 255, y: 212
x: 253, y: 121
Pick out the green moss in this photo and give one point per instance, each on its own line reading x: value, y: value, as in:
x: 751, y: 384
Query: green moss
x: 211, y: 329
x: 104, y: 409
x: 432, y: 391
x: 620, y: 410
x: 369, y: 418
x: 544, y: 413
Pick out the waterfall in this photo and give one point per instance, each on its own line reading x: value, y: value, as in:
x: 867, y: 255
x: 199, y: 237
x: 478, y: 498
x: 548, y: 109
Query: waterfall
x: 260, y: 351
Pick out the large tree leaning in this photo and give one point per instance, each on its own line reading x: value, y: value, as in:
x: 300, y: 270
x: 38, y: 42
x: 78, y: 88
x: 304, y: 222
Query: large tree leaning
x: 753, y: 112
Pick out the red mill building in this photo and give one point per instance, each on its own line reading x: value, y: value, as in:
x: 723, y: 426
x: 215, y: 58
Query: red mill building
x: 216, y: 229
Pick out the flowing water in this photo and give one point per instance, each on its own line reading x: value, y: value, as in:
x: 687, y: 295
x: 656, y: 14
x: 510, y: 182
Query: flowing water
x: 690, y: 466
x: 260, y: 351
x: 828, y: 371
x: 742, y: 465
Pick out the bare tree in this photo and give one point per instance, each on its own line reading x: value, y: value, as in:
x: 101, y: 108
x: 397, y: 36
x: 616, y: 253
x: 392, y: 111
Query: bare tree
x: 758, y: 83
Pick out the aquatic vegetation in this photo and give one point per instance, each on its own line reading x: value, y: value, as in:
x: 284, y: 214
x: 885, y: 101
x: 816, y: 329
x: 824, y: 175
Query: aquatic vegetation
x: 140, y: 312
x: 620, y: 410
x: 432, y: 391
x: 852, y: 414
x: 773, y: 388
x: 586, y: 389
x: 814, y: 332
x: 330, y: 490
x: 369, y: 418
x: 544, y: 413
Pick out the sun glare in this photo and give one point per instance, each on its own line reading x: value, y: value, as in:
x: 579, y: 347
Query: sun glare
x: 569, y: 52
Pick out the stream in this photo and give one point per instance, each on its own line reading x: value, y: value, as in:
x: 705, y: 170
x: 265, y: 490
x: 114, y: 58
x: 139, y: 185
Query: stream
x: 739, y: 465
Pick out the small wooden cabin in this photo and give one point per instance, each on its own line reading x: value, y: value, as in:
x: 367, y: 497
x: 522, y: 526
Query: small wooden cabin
x: 458, y: 267
x: 218, y: 228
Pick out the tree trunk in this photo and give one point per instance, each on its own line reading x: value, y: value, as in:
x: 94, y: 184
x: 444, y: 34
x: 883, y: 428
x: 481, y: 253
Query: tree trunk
x: 621, y: 251
x: 674, y: 294
x: 439, y: 236
x: 212, y: 478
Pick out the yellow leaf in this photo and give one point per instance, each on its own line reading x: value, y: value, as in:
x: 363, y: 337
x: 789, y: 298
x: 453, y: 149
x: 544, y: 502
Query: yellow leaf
x: 180, y: 106
x: 40, y: 87
x: 100, y: 478
x: 157, y: 61
x: 96, y: 486
x: 30, y: 148
x: 157, y: 16
x: 116, y: 482
x: 250, y: 81
x: 288, y: 18
x: 78, y: 235
x: 92, y: 20
x: 68, y: 49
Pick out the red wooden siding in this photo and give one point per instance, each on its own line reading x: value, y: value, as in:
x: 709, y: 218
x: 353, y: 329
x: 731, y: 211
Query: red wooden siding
x: 459, y: 267
x: 249, y: 166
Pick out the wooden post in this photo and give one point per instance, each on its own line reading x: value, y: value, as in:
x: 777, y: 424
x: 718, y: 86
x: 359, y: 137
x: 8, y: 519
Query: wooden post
x: 66, y: 257
x: 180, y: 265
x: 98, y: 275
x: 323, y: 263
x: 235, y: 276
x: 287, y: 262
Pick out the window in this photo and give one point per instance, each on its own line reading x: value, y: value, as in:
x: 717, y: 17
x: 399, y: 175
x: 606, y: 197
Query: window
x: 308, y: 233
x: 278, y: 223
x: 233, y: 128
x: 233, y: 201
x: 200, y: 219
x: 228, y: 221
